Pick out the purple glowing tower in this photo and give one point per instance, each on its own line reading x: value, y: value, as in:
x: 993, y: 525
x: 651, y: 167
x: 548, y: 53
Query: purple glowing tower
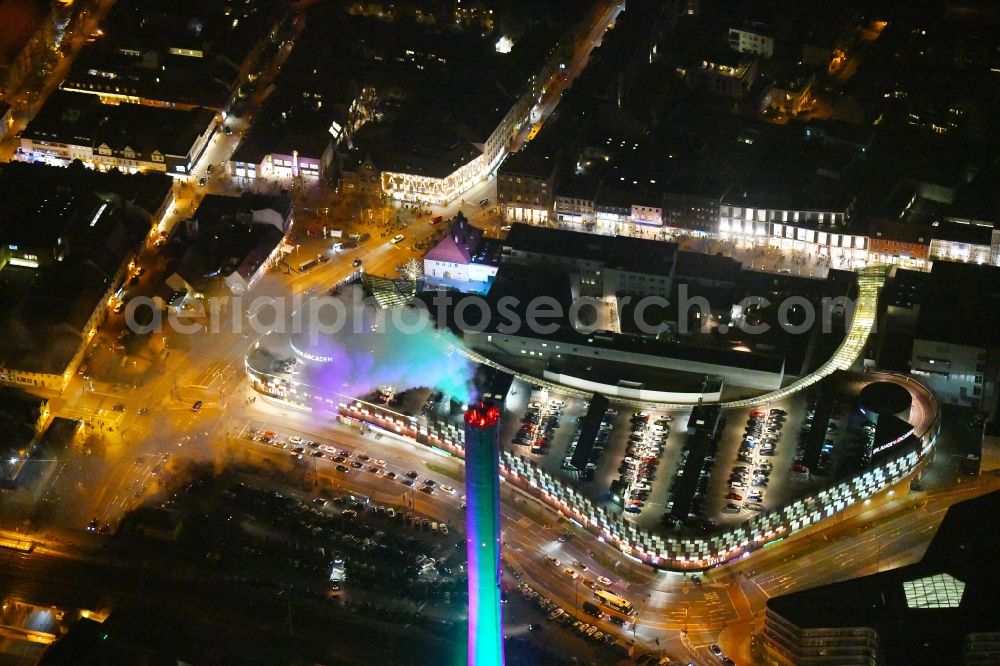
x: 482, y: 534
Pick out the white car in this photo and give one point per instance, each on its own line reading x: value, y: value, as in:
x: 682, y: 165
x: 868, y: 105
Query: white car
x: 295, y: 439
x: 448, y: 489
x: 572, y: 574
x: 604, y: 580
x: 397, y: 239
x: 380, y: 463
x: 736, y: 485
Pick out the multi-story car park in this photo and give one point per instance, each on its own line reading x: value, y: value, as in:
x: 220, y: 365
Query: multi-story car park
x: 700, y: 540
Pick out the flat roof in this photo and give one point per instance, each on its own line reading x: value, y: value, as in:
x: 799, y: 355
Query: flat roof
x: 535, y: 159
x: 905, y: 288
x: 621, y: 252
x: 289, y: 123
x: 958, y: 303
x: 631, y: 375
x: 715, y: 267
x: 885, y: 398
x: 524, y: 283
x: 81, y: 119
x: 890, y: 602
x: 790, y: 171
x: 961, y: 232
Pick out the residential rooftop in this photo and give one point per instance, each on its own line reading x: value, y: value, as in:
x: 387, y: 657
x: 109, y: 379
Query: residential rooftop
x: 103, y: 219
x: 439, y: 90
x: 224, y: 239
x: 184, y: 52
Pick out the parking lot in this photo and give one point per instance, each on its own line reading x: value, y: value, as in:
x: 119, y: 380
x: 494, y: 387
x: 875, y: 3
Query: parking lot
x: 644, y: 449
x: 645, y: 467
x: 522, y: 437
x: 346, y: 461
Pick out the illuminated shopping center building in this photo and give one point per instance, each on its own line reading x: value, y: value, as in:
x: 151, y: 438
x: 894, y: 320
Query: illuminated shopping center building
x: 317, y: 371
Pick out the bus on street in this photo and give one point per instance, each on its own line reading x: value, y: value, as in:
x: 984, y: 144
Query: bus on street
x: 615, y: 602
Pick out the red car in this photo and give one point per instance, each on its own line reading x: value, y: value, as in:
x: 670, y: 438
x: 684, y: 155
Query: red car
x: 758, y: 415
x: 734, y: 496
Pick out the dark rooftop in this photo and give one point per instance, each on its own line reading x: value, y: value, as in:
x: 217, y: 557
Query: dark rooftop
x: 905, y: 289
x: 961, y: 232
x: 794, y: 173
x: 20, y: 20
x: 42, y: 312
x: 525, y: 283
x: 711, y: 267
x: 288, y: 123
x: 631, y: 375
x: 226, y: 240
x: 929, y: 627
x: 535, y: 159
x: 902, y: 232
x: 81, y: 119
x: 958, y: 304
x: 183, y: 52
x: 439, y: 90
x: 885, y: 398
x: 622, y: 252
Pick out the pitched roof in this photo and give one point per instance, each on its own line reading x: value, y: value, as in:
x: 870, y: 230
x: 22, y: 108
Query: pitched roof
x: 460, y: 245
x: 449, y: 250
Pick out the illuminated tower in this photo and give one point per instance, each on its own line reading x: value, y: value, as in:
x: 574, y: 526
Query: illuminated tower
x: 482, y: 533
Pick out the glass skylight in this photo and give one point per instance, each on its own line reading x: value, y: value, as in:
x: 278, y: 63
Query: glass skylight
x: 938, y: 591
